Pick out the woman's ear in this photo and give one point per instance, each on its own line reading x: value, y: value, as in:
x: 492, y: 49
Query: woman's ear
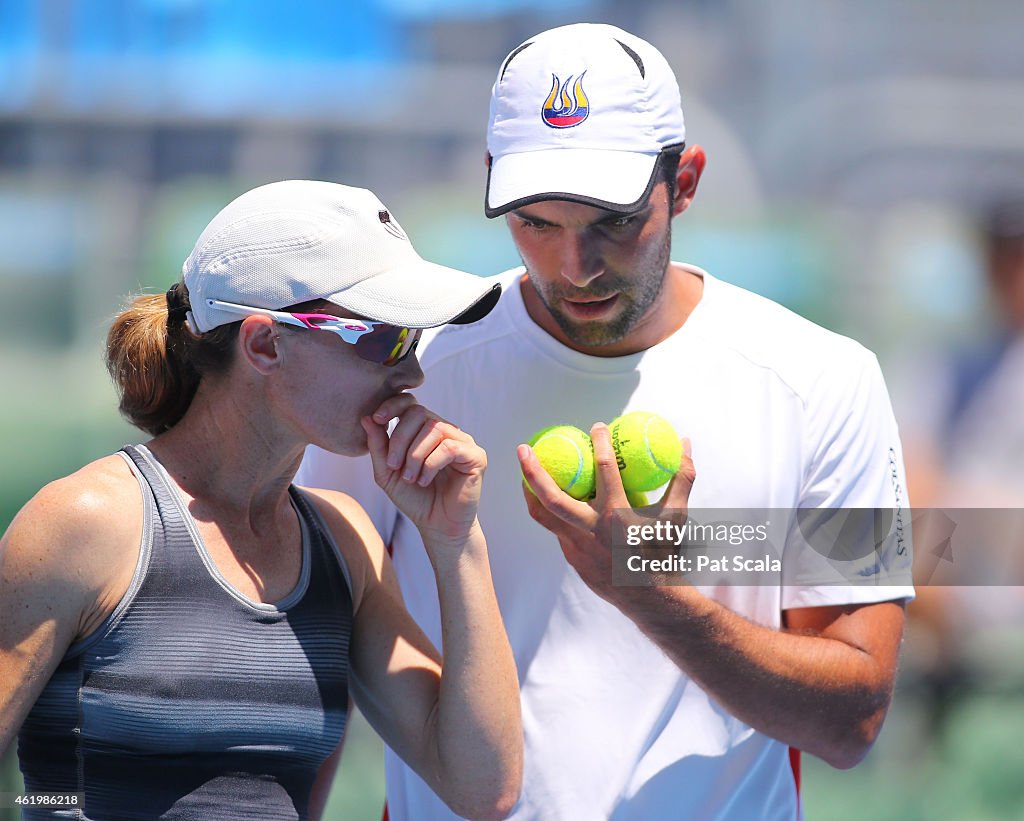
x: 258, y: 338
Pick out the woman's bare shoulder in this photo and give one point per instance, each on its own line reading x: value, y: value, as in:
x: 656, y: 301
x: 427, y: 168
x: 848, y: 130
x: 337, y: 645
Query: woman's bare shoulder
x: 80, y: 531
x: 101, y: 497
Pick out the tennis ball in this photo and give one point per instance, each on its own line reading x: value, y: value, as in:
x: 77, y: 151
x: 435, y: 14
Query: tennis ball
x: 567, y: 454
x: 636, y: 498
x: 647, y: 450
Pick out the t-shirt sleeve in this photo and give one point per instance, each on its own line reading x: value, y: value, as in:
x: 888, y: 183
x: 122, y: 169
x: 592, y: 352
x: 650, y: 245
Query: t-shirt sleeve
x: 351, y: 475
x: 849, y: 541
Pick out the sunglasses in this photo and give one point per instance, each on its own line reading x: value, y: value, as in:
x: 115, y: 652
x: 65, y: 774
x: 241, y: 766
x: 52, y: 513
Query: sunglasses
x: 375, y: 342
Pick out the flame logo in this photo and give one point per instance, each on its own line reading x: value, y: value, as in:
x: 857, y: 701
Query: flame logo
x: 564, y: 108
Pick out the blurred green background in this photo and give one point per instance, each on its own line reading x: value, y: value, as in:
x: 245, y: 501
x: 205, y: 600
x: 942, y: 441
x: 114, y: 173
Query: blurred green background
x: 852, y: 148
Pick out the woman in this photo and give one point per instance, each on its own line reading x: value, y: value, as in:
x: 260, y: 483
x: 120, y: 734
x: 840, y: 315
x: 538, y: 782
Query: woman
x: 180, y: 627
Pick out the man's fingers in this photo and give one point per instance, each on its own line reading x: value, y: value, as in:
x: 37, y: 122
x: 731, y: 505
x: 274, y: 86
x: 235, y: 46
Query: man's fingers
x: 540, y: 514
x: 678, y: 493
x: 610, y: 492
x: 551, y: 496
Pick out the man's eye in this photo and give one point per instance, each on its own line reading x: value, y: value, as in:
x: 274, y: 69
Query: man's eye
x: 622, y: 222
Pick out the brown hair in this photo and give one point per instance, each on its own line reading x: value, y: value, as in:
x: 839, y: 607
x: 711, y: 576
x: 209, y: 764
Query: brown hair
x: 156, y: 361
x: 668, y: 169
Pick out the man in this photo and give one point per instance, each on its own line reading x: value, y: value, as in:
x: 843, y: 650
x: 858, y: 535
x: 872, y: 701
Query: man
x: 644, y: 702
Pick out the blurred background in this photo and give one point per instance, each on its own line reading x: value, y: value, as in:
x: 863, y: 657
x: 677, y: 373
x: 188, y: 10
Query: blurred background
x: 866, y: 169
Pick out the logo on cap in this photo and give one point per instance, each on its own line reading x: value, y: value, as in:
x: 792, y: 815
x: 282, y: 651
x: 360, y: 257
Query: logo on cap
x: 564, y: 108
x: 390, y: 225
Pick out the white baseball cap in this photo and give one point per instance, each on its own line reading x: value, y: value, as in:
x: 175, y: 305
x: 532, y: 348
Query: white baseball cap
x: 580, y: 113
x: 300, y: 240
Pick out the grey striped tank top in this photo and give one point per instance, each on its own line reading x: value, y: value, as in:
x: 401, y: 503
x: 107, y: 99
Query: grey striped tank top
x: 191, y: 701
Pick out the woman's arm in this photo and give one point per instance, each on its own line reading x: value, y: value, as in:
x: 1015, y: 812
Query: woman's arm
x: 325, y: 778
x: 457, y: 724
x: 65, y: 562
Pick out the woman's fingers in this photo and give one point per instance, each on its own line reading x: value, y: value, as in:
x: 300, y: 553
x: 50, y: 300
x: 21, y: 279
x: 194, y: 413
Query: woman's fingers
x: 424, y: 441
x: 393, y: 406
x: 377, y: 444
x: 462, y: 455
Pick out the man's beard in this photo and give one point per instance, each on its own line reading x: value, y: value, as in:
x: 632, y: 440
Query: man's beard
x: 637, y: 292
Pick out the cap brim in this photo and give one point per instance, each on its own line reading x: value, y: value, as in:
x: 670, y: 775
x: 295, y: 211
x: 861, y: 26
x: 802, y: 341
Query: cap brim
x: 421, y: 294
x: 615, y: 180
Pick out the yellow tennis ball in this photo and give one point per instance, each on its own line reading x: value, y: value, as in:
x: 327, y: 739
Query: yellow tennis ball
x: 636, y: 498
x: 567, y: 454
x: 647, y: 450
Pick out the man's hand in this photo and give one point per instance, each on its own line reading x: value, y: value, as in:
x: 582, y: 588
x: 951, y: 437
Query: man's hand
x: 586, y: 530
x: 822, y: 683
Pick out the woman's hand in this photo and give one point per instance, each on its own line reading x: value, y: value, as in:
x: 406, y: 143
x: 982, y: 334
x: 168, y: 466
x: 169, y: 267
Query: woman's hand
x: 431, y: 470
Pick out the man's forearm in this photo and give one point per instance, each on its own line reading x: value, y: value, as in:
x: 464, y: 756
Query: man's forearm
x: 815, y: 691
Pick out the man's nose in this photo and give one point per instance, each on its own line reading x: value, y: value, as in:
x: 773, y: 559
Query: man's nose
x: 581, y: 264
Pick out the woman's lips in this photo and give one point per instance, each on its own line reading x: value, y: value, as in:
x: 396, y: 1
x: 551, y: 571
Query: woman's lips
x: 590, y: 309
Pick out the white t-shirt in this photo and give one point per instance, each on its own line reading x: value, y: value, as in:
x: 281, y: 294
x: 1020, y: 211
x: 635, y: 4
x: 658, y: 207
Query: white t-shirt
x: 781, y: 414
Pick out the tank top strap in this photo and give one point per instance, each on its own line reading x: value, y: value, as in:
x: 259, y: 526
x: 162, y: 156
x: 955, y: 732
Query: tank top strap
x: 174, y: 536
x: 324, y: 549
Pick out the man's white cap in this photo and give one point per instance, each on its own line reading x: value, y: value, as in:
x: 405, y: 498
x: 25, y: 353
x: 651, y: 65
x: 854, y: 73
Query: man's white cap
x: 580, y: 113
x: 300, y: 240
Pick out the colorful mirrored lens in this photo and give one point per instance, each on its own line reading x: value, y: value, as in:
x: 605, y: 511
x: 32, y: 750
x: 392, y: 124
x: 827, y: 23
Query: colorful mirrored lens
x: 387, y: 344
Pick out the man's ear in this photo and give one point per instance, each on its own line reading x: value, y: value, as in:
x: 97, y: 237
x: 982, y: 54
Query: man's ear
x: 691, y: 166
x: 257, y: 339
x: 487, y: 158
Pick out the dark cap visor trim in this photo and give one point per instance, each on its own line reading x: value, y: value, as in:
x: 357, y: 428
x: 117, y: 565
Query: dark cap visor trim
x: 479, y: 309
x: 615, y: 207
